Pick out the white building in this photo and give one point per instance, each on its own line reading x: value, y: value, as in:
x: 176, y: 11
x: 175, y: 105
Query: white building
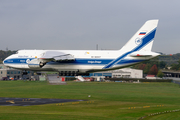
x: 121, y: 73
x: 127, y: 73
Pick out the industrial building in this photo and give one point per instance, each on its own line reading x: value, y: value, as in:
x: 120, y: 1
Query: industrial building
x: 7, y: 72
x: 121, y: 73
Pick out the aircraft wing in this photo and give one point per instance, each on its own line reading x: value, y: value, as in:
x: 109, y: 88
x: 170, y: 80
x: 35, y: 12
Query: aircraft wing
x: 56, y: 56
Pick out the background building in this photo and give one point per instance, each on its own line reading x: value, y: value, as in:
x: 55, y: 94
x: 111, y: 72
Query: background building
x: 121, y: 73
x: 12, y: 73
x: 127, y: 73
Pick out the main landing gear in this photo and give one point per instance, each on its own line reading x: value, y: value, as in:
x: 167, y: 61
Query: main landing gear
x: 72, y: 73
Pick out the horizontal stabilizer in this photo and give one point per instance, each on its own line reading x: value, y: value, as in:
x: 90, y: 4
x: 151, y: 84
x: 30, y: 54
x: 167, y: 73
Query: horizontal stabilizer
x: 140, y: 55
x: 143, y: 54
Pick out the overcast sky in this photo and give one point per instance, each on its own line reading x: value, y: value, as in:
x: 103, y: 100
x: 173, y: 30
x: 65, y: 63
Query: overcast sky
x: 81, y: 24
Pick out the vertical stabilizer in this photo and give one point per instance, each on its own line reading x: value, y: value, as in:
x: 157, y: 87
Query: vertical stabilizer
x: 143, y: 38
x: 141, y: 41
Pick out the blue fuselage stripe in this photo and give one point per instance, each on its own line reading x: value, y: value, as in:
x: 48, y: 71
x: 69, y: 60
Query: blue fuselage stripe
x: 103, y: 62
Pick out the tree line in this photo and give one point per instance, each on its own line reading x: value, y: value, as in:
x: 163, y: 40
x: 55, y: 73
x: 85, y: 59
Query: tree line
x: 154, y: 66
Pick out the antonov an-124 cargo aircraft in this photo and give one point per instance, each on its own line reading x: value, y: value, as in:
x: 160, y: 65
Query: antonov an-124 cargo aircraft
x: 83, y: 62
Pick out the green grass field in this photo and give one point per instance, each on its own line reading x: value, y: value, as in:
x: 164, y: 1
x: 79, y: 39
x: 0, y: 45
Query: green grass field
x: 116, y: 101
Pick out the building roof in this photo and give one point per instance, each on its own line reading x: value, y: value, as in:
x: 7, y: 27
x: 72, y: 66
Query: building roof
x: 150, y: 76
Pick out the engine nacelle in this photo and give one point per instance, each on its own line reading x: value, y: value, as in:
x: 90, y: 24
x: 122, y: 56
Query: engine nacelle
x: 35, y: 63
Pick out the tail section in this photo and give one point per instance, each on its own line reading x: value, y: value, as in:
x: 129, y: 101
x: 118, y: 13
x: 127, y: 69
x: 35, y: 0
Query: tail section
x: 141, y: 42
x: 143, y: 38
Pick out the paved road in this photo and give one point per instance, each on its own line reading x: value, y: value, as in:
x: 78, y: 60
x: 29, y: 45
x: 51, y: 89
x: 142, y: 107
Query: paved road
x: 31, y: 101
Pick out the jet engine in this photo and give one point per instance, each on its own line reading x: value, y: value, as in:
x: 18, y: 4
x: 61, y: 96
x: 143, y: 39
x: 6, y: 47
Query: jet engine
x: 35, y: 63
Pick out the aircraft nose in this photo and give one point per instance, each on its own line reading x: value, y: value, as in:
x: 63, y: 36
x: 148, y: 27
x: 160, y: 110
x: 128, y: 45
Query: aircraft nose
x: 5, y: 60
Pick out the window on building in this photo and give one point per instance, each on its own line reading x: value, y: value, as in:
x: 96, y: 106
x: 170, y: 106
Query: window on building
x: 8, y: 72
x: 11, y: 72
x: 1, y: 72
x: 14, y: 72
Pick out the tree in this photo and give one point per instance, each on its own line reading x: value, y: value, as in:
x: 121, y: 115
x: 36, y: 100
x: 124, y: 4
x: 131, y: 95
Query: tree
x: 146, y: 69
x: 142, y: 66
x: 174, y: 66
x: 153, y: 70
x: 161, y: 65
x: 160, y: 74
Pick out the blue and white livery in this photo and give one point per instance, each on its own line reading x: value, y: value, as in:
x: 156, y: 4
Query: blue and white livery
x: 72, y: 62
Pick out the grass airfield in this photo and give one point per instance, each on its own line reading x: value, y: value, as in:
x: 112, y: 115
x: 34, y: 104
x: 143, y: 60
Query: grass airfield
x: 124, y: 101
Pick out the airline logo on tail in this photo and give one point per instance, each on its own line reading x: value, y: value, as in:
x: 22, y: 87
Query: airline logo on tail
x: 138, y: 41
